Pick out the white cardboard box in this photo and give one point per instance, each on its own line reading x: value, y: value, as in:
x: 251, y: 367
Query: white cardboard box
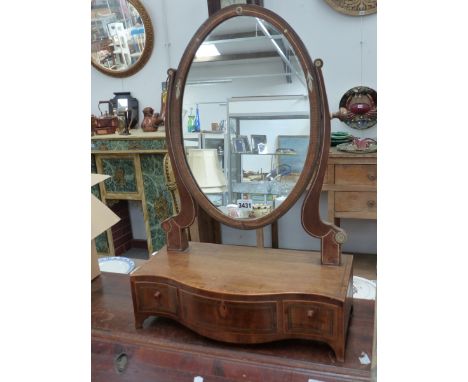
x: 102, y: 218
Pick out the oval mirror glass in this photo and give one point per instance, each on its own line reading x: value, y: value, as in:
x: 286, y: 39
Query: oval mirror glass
x: 121, y: 36
x: 246, y: 118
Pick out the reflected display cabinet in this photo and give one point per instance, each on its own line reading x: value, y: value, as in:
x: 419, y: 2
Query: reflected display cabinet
x: 268, y: 142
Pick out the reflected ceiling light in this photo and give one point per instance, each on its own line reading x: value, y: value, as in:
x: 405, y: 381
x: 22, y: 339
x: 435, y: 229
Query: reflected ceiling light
x: 208, y: 82
x: 207, y: 50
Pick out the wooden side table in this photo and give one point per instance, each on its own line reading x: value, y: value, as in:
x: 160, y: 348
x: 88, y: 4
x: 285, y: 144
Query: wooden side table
x: 351, y: 183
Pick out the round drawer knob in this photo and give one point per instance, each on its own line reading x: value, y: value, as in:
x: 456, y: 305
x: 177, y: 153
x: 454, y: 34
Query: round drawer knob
x: 223, y: 311
x: 310, y: 313
x: 370, y: 203
x: 157, y: 294
x: 371, y: 177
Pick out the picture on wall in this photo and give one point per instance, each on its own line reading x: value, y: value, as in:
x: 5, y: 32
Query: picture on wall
x: 238, y: 145
x: 245, y: 139
x: 297, y: 143
x: 256, y: 140
x: 262, y: 148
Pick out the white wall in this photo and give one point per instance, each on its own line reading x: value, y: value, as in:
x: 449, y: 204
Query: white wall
x: 335, y: 38
x: 343, y: 42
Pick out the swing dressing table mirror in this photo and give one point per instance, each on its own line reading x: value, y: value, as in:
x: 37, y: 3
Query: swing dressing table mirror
x: 242, y: 294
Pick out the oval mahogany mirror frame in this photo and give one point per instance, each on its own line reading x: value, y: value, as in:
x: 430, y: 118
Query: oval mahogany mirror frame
x: 147, y: 50
x: 317, y: 129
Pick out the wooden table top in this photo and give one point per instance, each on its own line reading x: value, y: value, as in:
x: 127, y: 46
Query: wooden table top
x: 179, y: 351
x: 240, y: 270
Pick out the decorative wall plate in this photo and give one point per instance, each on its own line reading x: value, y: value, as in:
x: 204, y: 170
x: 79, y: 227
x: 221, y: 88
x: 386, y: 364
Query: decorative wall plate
x: 358, y: 108
x: 354, y: 7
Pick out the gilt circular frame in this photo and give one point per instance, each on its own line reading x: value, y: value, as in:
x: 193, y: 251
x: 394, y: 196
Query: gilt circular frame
x: 317, y: 105
x: 147, y: 50
x: 354, y: 7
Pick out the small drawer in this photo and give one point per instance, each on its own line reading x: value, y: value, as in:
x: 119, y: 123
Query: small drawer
x: 356, y: 174
x: 347, y: 201
x: 231, y: 316
x: 309, y: 318
x: 155, y: 297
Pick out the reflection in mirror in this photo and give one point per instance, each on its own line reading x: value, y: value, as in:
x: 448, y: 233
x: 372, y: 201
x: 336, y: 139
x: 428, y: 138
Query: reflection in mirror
x: 120, y: 34
x: 207, y: 171
x: 247, y: 94
x: 122, y: 103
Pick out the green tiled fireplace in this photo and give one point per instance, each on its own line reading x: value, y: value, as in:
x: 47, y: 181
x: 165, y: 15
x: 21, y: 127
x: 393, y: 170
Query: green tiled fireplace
x: 135, y: 164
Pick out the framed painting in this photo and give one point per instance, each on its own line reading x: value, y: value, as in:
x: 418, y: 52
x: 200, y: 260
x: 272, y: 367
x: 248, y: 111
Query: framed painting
x: 245, y: 139
x: 256, y: 140
x: 299, y: 144
x: 238, y: 145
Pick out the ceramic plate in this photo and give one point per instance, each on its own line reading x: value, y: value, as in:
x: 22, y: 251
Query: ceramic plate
x: 335, y: 142
x: 364, y: 288
x: 340, y: 134
x: 116, y: 264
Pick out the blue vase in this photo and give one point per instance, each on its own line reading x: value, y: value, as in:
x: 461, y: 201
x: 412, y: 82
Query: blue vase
x: 197, y: 120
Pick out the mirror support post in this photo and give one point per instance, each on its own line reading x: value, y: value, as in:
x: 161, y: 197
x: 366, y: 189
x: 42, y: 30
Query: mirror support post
x: 176, y: 235
x: 331, y: 236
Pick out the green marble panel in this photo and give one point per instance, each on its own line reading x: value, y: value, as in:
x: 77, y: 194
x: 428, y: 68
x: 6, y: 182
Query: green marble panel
x: 122, y: 172
x: 95, y: 188
x: 102, y: 245
x: 158, y: 200
x: 128, y: 144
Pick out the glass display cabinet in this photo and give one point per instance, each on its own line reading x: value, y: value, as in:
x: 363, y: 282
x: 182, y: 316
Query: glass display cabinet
x: 268, y: 142
x: 276, y: 124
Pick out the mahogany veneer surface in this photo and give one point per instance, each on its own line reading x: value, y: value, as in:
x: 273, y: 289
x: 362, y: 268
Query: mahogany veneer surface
x: 247, y: 295
x: 244, y: 271
x: 164, y: 350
